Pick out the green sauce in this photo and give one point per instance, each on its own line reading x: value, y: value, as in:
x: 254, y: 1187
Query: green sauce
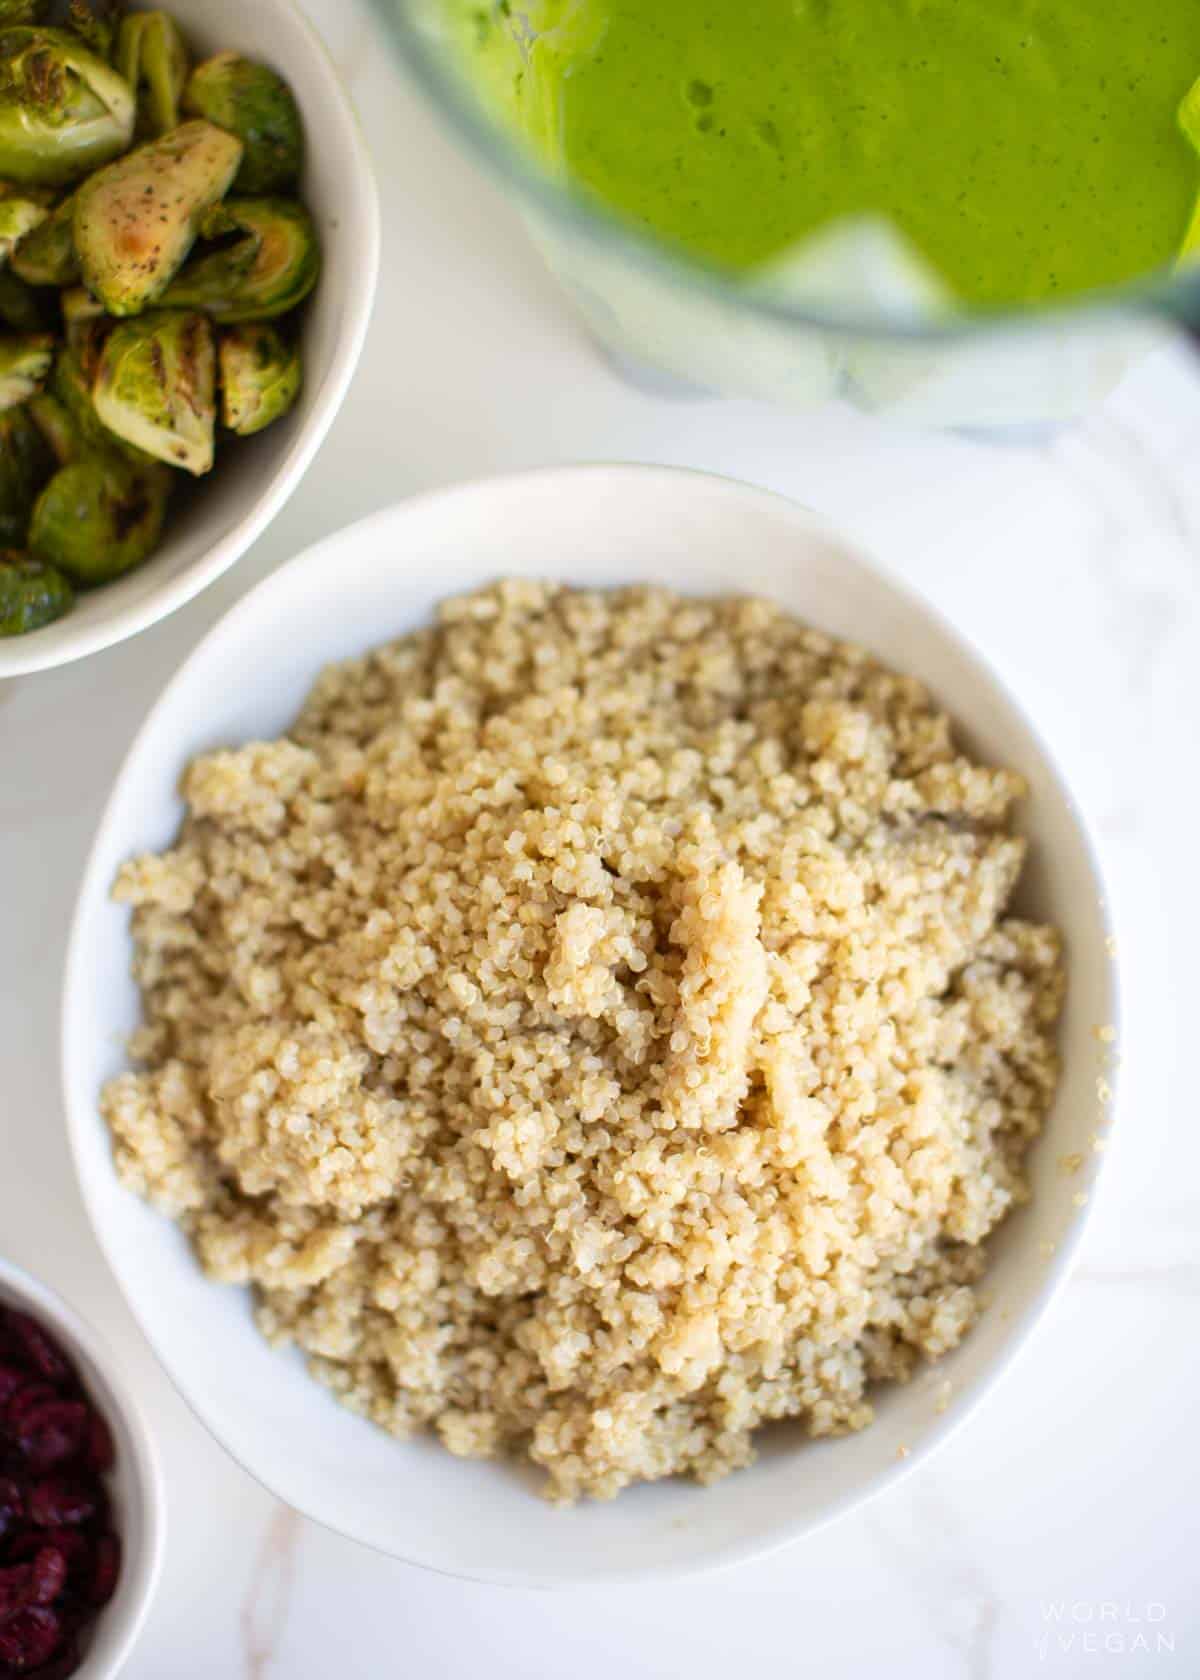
x: 1028, y: 148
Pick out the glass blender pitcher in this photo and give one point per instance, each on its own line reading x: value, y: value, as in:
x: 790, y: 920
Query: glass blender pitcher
x: 857, y: 337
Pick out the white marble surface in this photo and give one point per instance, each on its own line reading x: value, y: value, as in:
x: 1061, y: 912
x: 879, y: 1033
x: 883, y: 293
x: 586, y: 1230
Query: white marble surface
x: 1073, y: 1490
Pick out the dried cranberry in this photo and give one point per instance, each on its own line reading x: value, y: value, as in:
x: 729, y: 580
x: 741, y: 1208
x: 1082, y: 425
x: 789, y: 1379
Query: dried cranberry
x: 107, y: 1569
x: 99, y: 1454
x: 72, y: 1543
x: 59, y: 1559
x: 49, y: 1575
x: 16, y: 1588
x: 62, y: 1501
x: 29, y: 1639
x: 11, y: 1379
x: 26, y: 1399
x: 42, y: 1353
x: 52, y: 1433
x: 12, y: 1504
x: 65, y: 1661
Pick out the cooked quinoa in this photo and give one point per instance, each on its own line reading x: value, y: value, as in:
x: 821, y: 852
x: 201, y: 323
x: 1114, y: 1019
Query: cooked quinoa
x: 596, y: 1029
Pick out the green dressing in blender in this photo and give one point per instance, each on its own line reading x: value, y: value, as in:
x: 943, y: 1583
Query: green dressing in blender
x: 1028, y: 149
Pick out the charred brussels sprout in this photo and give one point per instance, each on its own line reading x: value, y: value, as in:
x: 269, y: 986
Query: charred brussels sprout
x: 99, y: 517
x: 153, y: 59
x: 58, y: 430
x: 87, y: 327
x: 94, y: 21
x: 46, y: 257
x: 258, y: 106
x: 260, y: 377
x: 80, y: 312
x: 26, y: 463
x: 24, y: 363
x: 269, y: 265
x: 136, y: 220
x: 63, y: 110
x: 71, y: 386
x: 19, y: 217
x: 31, y: 594
x: 155, y: 387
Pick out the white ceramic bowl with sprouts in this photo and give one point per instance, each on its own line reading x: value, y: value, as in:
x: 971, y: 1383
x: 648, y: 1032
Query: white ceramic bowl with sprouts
x: 135, y: 1483
x: 219, y: 518
x: 593, y: 526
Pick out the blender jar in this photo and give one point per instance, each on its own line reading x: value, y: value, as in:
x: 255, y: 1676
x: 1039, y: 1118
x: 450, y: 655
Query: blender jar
x: 654, y: 309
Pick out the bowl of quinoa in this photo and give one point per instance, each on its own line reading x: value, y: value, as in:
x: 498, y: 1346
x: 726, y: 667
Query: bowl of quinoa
x: 602, y: 1020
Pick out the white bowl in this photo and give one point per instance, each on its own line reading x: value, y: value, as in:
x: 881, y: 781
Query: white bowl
x: 135, y: 1484
x: 591, y: 526
x: 223, y: 515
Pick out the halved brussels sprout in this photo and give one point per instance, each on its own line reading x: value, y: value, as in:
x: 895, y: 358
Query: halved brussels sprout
x: 59, y: 431
x: 79, y: 311
x: 19, y: 11
x: 71, y: 386
x: 21, y: 308
x: 86, y: 327
x: 153, y: 59
x: 25, y: 464
x: 19, y: 217
x: 99, y: 517
x: 258, y: 106
x: 260, y: 377
x: 94, y: 21
x: 155, y: 387
x: 267, y: 271
x: 63, y: 110
x: 136, y: 220
x: 31, y: 594
x: 25, y: 361
x: 46, y: 257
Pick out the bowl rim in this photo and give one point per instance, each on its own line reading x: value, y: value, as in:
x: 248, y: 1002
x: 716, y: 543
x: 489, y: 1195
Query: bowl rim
x: 139, y: 1583
x: 17, y: 660
x: 1054, y: 1272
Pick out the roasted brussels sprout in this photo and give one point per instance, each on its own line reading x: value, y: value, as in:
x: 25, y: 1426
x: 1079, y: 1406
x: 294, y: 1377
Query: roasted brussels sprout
x: 59, y: 431
x: 19, y: 217
x: 99, y: 517
x: 260, y: 377
x: 31, y: 594
x: 136, y: 220
x: 86, y: 327
x: 80, y: 311
x: 109, y: 347
x: 71, y: 386
x: 21, y: 308
x: 63, y: 110
x: 258, y: 106
x: 155, y: 387
x: 26, y: 463
x: 25, y: 360
x: 153, y: 59
x: 267, y: 271
x: 94, y: 21
x: 46, y: 257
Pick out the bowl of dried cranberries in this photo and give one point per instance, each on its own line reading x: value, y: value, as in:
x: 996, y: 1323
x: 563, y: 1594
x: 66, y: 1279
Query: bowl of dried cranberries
x: 81, y: 1502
